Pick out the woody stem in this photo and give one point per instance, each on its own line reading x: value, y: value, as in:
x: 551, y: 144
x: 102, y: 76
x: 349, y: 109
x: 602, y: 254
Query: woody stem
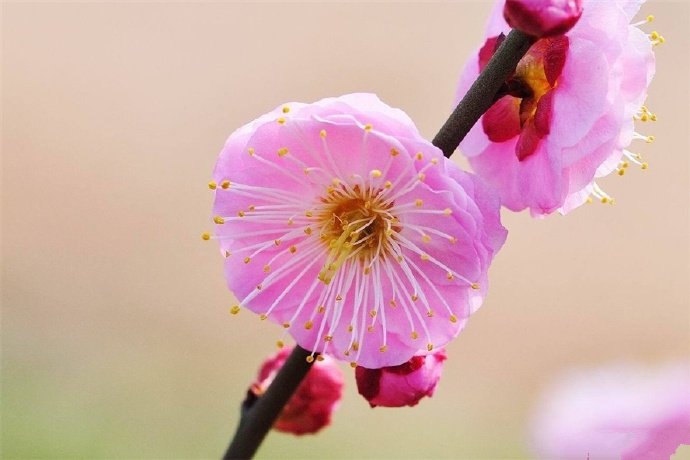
x: 481, y: 94
x: 259, y: 418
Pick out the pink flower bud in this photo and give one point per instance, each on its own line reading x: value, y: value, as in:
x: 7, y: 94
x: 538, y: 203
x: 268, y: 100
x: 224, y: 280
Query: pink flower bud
x: 310, y: 408
x: 402, y: 385
x: 542, y: 18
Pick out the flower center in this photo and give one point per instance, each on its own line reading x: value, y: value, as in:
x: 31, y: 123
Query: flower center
x: 354, y: 222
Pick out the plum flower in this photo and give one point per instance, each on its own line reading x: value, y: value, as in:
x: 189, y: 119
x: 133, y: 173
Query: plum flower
x: 566, y: 116
x: 624, y: 412
x: 341, y: 223
x: 402, y: 385
x: 542, y: 18
x: 311, y: 406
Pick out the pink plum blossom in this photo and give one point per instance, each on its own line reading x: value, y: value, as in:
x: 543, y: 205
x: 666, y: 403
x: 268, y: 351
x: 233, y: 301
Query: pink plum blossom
x: 341, y: 223
x: 542, y: 18
x: 402, y: 385
x: 311, y: 406
x: 566, y: 117
x: 624, y: 412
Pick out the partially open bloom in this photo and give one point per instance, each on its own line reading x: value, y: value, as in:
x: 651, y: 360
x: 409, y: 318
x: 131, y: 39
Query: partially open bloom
x: 623, y: 412
x: 311, y: 406
x: 567, y: 114
x: 341, y: 223
x: 542, y: 18
x: 402, y: 385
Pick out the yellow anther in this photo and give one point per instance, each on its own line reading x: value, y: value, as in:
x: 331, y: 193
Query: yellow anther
x: 650, y: 18
x: 625, y: 164
x: 414, y: 335
x: 290, y: 221
x: 394, y: 152
x: 308, y: 213
x: 650, y: 139
x: 368, y: 127
x: 235, y: 309
x: 212, y: 185
x: 388, y: 232
x: 308, y: 325
x: 225, y: 184
x: 644, y: 165
x: 426, y: 238
x: 286, y: 109
x: 251, y: 208
x: 393, y: 303
x: 419, y: 156
x: 434, y: 161
x: 219, y: 220
x: 418, y: 203
x: 654, y: 35
x: 414, y: 297
x: 350, y: 328
x: 644, y: 117
x: 328, y: 338
x: 277, y: 242
x: 263, y: 317
x: 320, y: 358
x: 286, y: 325
x: 383, y: 348
x: 240, y: 213
x: 474, y: 286
x: 281, y: 120
x: 251, y: 151
x: 449, y: 275
x: 267, y: 268
x: 424, y: 257
x: 367, y: 270
x: 370, y: 329
x: 355, y: 346
x: 293, y: 249
x: 307, y: 230
x: 453, y: 319
x: 661, y: 41
x: 421, y: 176
x: 653, y: 116
x: 282, y: 151
x: 335, y: 181
x: 322, y: 133
x: 453, y: 240
x: 375, y: 173
x: 621, y: 172
x: 388, y: 184
x: 447, y: 212
x: 247, y: 260
x: 604, y: 199
x: 430, y: 346
x: 310, y: 359
x: 206, y: 236
x: 321, y: 309
x: 353, y: 364
x: 280, y: 344
x: 306, y: 171
x: 372, y: 313
x: 430, y: 314
x: 590, y: 200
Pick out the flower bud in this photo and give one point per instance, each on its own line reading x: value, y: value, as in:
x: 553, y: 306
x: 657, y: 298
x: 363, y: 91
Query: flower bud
x: 402, y: 385
x: 311, y: 406
x: 542, y: 18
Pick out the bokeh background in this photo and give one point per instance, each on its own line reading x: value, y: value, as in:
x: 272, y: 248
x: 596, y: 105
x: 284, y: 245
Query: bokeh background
x: 116, y: 337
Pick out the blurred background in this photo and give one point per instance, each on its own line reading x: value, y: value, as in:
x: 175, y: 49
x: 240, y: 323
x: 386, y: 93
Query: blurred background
x: 116, y: 337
